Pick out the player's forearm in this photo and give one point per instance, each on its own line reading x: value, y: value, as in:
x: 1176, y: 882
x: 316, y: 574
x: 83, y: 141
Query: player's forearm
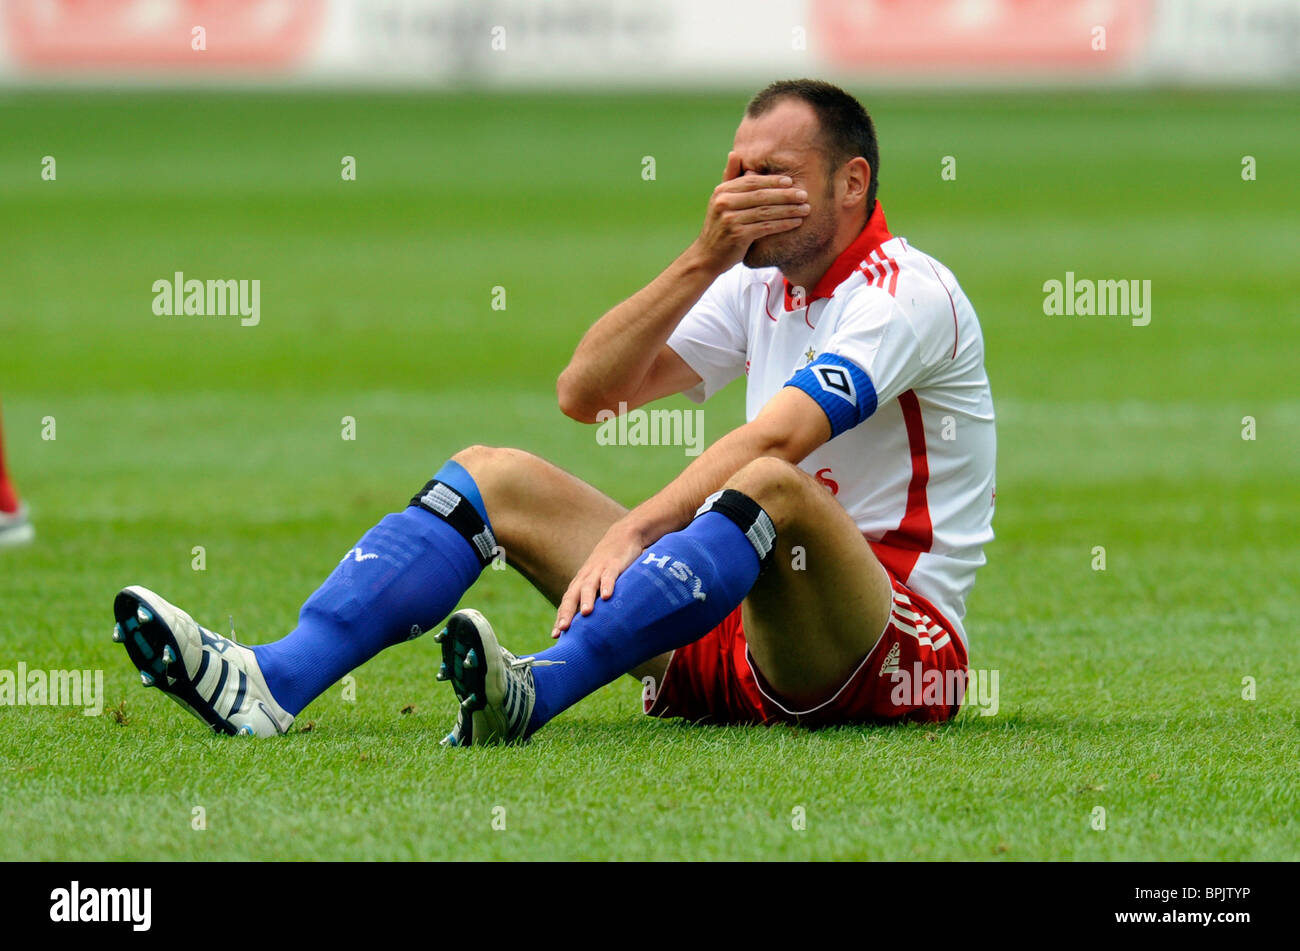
x: 614, y: 356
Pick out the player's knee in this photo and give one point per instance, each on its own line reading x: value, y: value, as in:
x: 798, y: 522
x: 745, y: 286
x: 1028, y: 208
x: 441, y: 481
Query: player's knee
x: 491, y: 462
x: 503, y: 477
x: 771, y: 482
x: 476, y: 457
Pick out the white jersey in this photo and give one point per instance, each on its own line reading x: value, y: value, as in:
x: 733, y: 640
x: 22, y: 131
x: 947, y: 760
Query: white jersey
x: 891, y: 349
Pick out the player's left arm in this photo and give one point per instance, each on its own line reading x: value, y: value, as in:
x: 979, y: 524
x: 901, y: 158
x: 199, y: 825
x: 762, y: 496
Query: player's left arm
x: 789, y: 427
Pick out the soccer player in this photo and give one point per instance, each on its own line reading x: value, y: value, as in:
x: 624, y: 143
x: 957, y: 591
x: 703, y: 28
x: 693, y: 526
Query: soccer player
x: 810, y: 567
x: 15, y: 527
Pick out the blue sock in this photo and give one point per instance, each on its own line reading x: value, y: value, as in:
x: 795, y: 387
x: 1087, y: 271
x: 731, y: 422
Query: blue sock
x: 679, y: 589
x: 403, y: 577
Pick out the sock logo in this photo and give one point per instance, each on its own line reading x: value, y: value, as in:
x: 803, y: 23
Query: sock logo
x: 357, y: 555
x: 679, y: 570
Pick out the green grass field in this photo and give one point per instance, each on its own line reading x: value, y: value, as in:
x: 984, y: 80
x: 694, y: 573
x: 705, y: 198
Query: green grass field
x: 1120, y: 689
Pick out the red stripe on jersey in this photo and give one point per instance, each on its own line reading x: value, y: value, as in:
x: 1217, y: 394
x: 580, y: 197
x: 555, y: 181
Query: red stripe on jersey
x: 902, y: 623
x: 898, y: 549
x: 888, y: 268
x: 767, y: 296
x: 878, y: 270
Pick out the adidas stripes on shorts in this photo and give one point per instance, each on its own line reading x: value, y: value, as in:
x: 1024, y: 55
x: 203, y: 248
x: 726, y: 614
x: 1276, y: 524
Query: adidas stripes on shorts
x: 915, y: 672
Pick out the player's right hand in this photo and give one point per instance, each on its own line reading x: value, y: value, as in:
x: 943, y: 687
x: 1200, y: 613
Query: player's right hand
x: 744, y: 208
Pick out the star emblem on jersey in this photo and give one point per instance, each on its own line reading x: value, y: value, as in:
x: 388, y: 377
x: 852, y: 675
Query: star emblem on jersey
x: 810, y: 355
x: 836, y: 380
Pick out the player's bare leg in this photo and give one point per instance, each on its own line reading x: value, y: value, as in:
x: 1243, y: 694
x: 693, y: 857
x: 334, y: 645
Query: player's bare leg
x: 546, y: 520
x: 820, y: 607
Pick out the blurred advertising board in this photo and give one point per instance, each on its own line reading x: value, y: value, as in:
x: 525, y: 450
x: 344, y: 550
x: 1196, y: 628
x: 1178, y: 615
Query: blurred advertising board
x: 597, y: 43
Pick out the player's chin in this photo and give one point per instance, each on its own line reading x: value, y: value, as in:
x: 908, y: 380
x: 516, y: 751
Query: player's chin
x: 767, y: 251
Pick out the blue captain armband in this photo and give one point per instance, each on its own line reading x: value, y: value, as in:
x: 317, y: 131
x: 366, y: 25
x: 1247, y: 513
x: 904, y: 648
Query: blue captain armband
x: 841, y: 389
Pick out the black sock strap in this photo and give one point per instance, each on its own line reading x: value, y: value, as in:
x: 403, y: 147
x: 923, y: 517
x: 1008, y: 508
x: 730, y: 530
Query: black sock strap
x: 457, y: 511
x: 748, y: 516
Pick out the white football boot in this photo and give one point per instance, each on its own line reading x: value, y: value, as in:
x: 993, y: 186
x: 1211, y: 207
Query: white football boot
x: 214, y: 678
x: 495, y: 688
x: 15, y: 528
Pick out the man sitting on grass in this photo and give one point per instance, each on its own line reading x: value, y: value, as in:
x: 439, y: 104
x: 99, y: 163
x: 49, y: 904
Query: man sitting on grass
x: 793, y: 572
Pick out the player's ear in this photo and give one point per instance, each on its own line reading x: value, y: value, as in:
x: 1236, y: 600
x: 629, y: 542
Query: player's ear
x: 857, y: 175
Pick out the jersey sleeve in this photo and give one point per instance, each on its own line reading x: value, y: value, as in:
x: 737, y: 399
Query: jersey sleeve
x: 874, y: 355
x: 712, y: 337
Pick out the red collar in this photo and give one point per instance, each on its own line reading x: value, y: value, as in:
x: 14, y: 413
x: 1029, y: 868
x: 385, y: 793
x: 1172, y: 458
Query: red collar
x: 873, y: 236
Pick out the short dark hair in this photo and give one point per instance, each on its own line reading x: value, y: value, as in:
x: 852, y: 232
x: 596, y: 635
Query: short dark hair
x: 846, y: 129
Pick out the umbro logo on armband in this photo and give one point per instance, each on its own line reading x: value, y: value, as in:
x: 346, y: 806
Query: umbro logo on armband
x: 836, y: 380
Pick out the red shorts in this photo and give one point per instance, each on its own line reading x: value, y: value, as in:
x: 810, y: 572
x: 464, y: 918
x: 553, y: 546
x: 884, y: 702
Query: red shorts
x: 916, y: 671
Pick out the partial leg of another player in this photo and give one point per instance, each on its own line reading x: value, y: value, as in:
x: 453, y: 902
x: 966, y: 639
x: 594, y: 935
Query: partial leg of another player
x: 15, y: 527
